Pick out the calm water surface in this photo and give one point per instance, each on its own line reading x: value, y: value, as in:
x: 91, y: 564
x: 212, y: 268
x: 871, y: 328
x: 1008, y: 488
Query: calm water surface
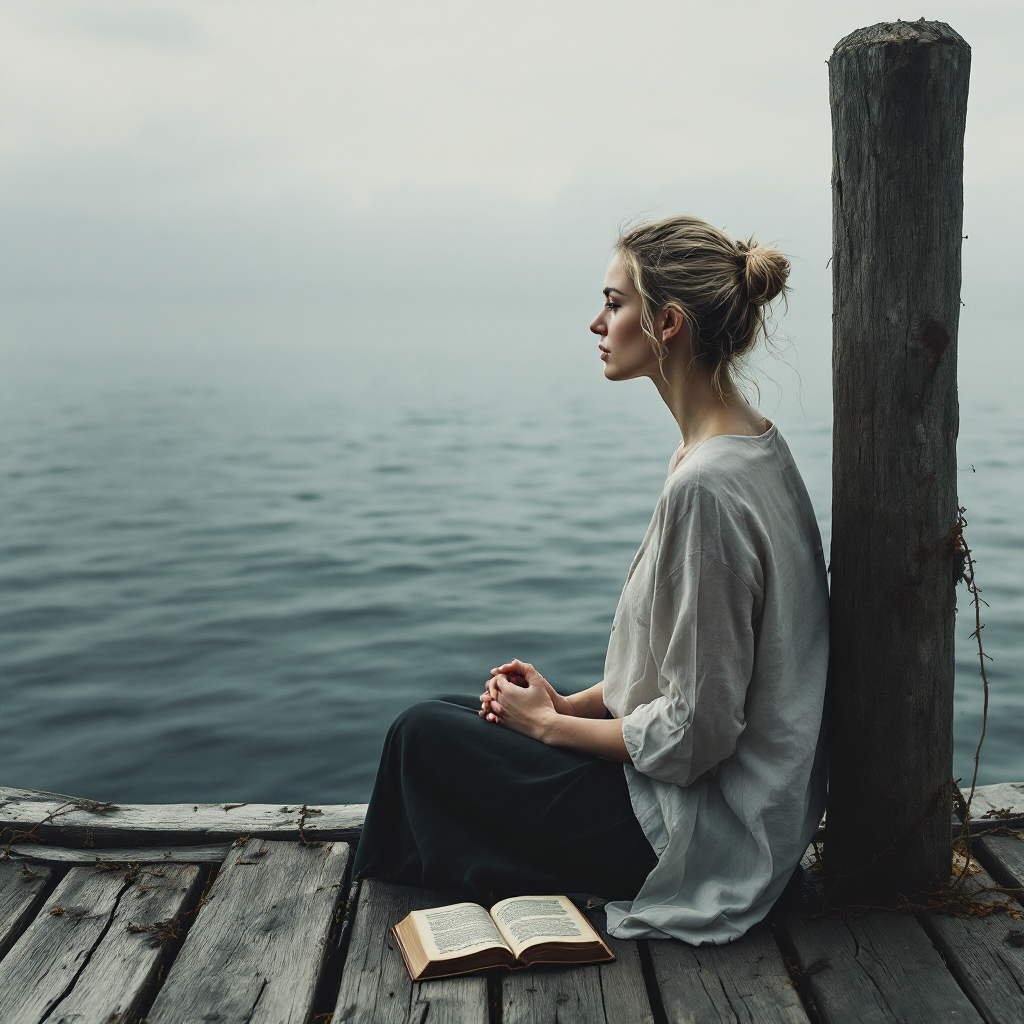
x: 237, y: 541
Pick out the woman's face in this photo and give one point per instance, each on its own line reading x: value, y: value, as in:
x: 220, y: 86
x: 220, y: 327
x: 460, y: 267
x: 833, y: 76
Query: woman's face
x: 625, y: 350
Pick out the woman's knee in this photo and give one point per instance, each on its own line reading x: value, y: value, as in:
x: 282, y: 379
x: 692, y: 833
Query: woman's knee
x: 460, y: 700
x: 427, y: 720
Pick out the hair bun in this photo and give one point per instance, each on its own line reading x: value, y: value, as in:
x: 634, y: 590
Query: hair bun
x: 765, y: 271
x: 722, y: 287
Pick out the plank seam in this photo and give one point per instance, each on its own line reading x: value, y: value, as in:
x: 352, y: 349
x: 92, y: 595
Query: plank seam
x: 651, y: 982
x: 186, y: 919
x: 797, y: 976
x: 31, y: 912
x: 494, y: 1007
x: 328, y: 986
x: 85, y: 960
x: 994, y: 866
x: 954, y: 967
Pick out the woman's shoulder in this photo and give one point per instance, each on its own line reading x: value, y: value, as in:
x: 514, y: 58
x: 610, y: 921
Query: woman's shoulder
x: 735, y: 484
x: 738, y: 499
x: 733, y: 468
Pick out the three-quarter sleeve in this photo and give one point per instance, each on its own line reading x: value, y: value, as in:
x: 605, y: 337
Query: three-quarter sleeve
x: 702, y: 642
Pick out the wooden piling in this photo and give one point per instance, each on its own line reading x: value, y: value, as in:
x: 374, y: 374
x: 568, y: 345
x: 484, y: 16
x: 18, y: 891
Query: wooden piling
x: 899, y: 101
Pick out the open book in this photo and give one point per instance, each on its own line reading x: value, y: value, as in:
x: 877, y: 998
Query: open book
x: 518, y: 932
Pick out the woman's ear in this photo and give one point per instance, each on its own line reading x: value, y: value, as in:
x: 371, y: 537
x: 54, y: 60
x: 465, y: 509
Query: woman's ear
x: 675, y: 325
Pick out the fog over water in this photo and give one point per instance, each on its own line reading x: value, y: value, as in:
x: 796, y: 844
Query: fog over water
x: 301, y: 418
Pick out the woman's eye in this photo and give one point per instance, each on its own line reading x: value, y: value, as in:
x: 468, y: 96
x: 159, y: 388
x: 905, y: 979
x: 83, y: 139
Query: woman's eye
x: 611, y: 305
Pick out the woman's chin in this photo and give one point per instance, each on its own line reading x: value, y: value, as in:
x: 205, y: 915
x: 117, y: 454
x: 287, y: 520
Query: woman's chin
x: 612, y: 372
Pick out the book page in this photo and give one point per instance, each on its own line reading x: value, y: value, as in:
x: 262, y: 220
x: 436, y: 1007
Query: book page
x: 456, y: 930
x: 524, y: 920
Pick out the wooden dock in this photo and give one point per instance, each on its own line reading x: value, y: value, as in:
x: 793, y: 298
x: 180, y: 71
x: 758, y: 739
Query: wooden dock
x: 246, y: 913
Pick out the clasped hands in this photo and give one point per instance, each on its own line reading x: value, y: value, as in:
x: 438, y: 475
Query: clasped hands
x: 520, y: 698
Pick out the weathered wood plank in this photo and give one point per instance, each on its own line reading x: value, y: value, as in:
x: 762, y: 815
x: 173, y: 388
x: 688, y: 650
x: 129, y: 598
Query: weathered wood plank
x: 122, y: 855
x: 1001, y: 800
x: 544, y: 995
x: 623, y: 989
x: 73, y: 821
x: 375, y: 986
x: 1004, y: 858
x: 880, y: 968
x: 43, y: 964
x: 257, y: 948
x: 998, y: 804
x: 22, y: 889
x: 989, y: 969
x: 743, y: 982
x: 612, y: 993
x: 125, y: 964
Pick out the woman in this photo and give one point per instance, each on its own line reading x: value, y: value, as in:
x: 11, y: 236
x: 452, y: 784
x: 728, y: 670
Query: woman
x: 715, y: 674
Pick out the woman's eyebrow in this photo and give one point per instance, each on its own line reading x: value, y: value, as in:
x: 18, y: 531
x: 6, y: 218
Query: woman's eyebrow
x: 608, y: 291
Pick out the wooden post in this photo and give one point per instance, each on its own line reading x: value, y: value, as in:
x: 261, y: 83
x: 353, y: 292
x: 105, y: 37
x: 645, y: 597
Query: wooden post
x: 899, y: 105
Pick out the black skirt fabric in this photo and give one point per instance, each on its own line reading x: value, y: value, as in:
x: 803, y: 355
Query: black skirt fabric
x: 464, y: 804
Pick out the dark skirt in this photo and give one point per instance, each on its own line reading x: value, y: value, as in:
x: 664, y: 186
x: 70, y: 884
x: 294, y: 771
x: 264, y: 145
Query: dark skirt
x: 467, y: 805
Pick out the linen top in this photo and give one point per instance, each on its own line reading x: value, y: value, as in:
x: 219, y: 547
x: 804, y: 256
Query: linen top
x: 716, y: 664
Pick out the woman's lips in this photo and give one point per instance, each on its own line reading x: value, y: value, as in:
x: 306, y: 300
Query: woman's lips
x: 605, y: 353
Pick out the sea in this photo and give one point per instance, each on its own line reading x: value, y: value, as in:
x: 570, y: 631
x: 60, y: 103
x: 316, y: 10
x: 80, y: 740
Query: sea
x: 237, y: 538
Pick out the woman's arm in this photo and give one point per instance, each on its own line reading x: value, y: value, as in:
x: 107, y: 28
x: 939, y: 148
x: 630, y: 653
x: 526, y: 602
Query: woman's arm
x: 589, y: 735
x: 589, y: 703
x: 530, y: 710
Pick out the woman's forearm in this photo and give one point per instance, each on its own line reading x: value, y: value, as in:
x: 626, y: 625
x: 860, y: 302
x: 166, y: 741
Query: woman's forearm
x: 589, y: 703
x: 591, y: 736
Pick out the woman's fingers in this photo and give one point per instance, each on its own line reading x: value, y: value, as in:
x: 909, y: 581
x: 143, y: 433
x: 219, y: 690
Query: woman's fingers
x: 517, y: 666
x: 515, y: 671
x: 490, y: 709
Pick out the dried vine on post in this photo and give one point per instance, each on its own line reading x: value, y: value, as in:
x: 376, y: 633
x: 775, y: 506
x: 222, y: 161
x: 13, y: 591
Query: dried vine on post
x: 975, y: 591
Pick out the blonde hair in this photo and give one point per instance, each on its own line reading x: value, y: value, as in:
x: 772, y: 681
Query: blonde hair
x: 723, y: 289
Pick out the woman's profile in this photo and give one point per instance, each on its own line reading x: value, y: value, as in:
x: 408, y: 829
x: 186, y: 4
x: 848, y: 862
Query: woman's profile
x: 686, y: 784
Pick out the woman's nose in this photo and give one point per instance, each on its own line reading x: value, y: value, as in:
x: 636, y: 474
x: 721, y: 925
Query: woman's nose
x: 598, y: 327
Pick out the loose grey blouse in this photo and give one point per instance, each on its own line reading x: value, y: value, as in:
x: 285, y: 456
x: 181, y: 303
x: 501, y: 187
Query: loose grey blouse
x: 716, y: 664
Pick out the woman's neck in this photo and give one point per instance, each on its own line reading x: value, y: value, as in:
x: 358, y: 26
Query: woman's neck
x: 699, y: 409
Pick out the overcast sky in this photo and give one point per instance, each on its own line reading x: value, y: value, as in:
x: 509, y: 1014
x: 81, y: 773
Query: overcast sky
x: 376, y: 150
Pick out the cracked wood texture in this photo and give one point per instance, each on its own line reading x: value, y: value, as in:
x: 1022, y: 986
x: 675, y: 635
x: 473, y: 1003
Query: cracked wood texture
x: 988, y: 967
x: 126, y: 964
x: 43, y: 964
x: 259, y: 943
x: 612, y: 993
x: 22, y: 889
x: 899, y: 103
x: 375, y: 986
x: 78, y: 962
x: 745, y: 982
x: 880, y: 968
x: 30, y: 816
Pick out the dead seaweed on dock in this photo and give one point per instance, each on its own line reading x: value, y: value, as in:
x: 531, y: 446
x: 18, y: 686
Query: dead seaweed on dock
x: 314, y: 944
